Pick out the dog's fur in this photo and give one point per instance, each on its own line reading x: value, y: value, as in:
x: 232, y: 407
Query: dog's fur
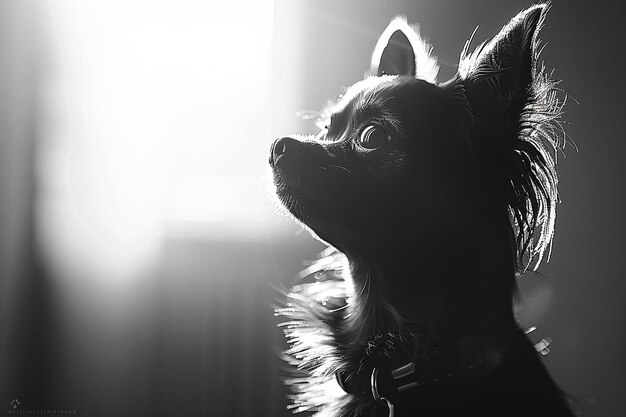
x: 433, y: 197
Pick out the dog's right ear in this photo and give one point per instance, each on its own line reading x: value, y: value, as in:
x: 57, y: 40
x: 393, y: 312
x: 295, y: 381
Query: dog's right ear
x: 401, y: 51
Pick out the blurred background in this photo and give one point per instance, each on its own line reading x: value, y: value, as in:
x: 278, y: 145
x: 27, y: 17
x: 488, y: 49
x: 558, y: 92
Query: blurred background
x: 138, y: 237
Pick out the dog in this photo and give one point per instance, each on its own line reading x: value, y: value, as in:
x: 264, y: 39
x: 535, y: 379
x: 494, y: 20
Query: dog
x: 433, y: 197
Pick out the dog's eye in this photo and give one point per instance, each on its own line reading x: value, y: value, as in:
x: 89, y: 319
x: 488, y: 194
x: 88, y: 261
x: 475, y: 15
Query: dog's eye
x: 373, y: 137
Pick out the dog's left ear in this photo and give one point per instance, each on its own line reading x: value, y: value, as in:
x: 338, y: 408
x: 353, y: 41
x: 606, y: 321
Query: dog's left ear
x: 501, y: 72
x: 401, y: 51
x: 515, y: 111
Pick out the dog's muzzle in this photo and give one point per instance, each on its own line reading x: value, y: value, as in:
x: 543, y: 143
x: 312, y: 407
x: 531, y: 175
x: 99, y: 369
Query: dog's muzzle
x: 293, y: 160
x: 286, y: 149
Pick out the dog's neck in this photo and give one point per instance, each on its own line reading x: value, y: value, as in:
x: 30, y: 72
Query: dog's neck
x: 445, y: 290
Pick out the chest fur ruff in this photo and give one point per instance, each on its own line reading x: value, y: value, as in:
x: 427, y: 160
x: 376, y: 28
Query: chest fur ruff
x: 319, y: 329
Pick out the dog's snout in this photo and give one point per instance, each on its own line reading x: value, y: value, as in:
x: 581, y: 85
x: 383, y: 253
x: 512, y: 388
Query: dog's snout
x: 280, y: 146
x: 283, y: 147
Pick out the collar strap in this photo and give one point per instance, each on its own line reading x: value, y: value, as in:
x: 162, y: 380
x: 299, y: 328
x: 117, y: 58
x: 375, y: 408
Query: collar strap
x: 378, y: 379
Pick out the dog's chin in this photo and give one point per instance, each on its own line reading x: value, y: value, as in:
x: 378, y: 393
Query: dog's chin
x: 314, y: 216
x: 300, y: 203
x: 306, y: 207
x: 290, y: 201
x: 295, y: 190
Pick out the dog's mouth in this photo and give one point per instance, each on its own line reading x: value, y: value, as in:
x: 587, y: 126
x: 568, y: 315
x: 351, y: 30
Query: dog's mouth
x: 301, y: 175
x: 287, y: 158
x: 295, y: 163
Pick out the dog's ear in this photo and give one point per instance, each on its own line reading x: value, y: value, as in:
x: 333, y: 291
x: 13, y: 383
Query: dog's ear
x: 401, y: 51
x: 516, y: 114
x: 500, y: 73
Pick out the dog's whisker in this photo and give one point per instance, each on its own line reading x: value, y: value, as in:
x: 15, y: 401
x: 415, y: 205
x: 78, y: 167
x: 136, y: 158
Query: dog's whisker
x: 340, y: 167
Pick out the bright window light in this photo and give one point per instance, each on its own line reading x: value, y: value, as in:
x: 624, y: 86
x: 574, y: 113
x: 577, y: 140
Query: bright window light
x: 153, y: 111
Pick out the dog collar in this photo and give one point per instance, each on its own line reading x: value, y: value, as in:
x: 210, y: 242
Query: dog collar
x: 379, y: 377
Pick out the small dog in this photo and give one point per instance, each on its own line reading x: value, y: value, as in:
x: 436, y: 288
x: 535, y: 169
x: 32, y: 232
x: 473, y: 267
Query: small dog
x: 433, y: 197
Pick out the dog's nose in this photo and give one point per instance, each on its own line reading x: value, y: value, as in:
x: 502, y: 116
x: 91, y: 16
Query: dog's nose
x: 284, y: 146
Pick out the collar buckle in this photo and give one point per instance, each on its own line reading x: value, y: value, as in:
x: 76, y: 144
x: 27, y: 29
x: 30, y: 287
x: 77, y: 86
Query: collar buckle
x: 388, y: 383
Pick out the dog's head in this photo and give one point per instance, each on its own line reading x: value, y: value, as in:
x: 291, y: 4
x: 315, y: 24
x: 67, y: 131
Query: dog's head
x: 405, y: 161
